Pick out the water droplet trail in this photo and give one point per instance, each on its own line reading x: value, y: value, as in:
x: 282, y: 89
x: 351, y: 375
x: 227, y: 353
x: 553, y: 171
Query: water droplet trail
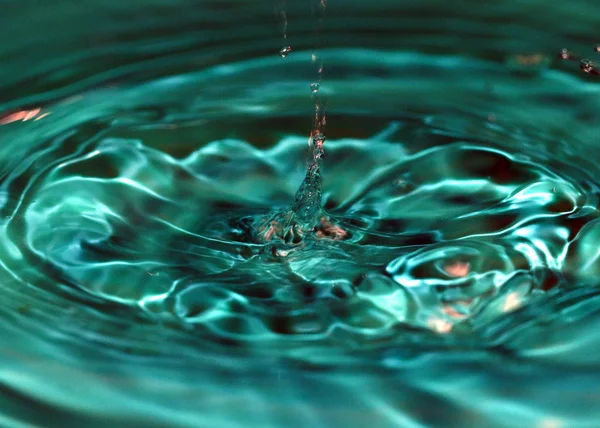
x: 283, y: 14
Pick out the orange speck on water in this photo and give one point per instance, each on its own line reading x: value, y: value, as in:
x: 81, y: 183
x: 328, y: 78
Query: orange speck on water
x: 449, y: 310
x: 458, y: 269
x: 31, y: 114
x: 23, y: 115
x: 20, y: 115
x: 330, y: 231
x: 271, y: 231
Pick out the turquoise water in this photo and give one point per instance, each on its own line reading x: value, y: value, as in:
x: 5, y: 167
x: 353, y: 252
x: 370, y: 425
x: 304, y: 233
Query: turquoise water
x: 158, y: 266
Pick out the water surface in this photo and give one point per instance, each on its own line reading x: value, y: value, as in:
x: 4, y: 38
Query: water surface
x: 157, y: 267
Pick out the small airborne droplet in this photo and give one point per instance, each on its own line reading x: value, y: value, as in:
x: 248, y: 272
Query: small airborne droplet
x: 565, y: 54
x: 285, y: 51
x: 314, y: 87
x: 597, y: 48
x: 588, y: 66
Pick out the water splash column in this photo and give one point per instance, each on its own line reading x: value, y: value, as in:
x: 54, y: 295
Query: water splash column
x: 308, y: 198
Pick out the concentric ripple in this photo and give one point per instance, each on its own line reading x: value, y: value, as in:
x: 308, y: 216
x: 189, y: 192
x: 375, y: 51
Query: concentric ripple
x: 431, y: 239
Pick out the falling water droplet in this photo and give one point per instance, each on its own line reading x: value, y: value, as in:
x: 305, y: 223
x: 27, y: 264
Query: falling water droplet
x: 566, y: 54
x: 284, y: 51
x: 597, y: 48
x: 314, y: 87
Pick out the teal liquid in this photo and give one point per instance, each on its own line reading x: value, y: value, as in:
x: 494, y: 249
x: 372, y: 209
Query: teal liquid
x: 159, y: 267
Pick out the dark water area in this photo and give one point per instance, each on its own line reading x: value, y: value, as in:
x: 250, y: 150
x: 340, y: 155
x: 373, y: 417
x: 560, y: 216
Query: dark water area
x: 167, y: 260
